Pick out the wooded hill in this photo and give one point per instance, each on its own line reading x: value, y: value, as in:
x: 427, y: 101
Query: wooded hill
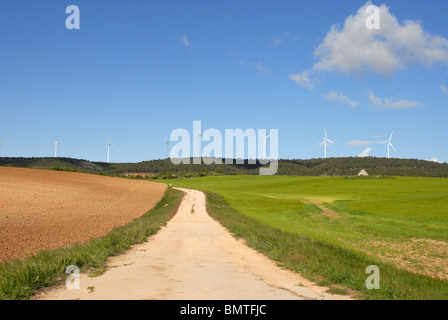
x: 314, y: 167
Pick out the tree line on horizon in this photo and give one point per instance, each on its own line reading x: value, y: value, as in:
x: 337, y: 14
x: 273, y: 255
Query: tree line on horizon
x: 155, y: 169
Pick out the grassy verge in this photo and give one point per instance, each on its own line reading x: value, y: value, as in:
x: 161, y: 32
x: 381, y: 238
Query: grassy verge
x: 324, y: 262
x: 19, y: 279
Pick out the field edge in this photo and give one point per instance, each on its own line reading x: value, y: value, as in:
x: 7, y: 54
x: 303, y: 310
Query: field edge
x: 21, y: 279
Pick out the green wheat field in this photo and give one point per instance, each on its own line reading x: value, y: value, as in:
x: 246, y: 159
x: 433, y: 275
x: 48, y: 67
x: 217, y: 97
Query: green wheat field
x: 397, y: 223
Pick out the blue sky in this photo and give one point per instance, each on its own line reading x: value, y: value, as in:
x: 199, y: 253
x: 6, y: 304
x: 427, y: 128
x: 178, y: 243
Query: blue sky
x: 136, y: 70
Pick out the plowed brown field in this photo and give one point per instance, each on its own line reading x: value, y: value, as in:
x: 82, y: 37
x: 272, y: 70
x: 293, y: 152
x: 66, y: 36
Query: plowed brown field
x: 42, y: 209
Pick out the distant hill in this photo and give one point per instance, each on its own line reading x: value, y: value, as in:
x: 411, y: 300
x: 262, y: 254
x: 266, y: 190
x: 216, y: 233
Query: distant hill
x: 313, y: 167
x: 373, y: 166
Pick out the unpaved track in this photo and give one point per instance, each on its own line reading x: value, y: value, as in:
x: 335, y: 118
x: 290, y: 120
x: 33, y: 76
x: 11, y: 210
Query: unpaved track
x: 192, y: 258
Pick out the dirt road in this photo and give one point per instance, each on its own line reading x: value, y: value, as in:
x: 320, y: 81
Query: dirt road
x: 195, y: 258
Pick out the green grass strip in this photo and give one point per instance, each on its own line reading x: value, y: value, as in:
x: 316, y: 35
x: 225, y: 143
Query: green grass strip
x: 326, y: 263
x: 19, y: 279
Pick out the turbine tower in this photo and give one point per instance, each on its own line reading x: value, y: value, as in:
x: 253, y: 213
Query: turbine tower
x: 324, y: 142
x: 1, y: 141
x: 56, y: 149
x: 167, y: 147
x: 108, y: 148
x: 200, y: 137
x: 389, y: 144
x: 264, y: 144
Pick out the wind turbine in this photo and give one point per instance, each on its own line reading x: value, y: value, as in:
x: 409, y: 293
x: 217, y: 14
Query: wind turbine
x: 200, y: 133
x: 324, y: 142
x: 56, y: 149
x: 200, y: 137
x: 1, y: 141
x: 167, y: 147
x: 108, y: 148
x: 389, y: 144
x: 264, y: 144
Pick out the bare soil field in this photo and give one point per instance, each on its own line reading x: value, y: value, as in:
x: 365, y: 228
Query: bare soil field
x: 42, y: 209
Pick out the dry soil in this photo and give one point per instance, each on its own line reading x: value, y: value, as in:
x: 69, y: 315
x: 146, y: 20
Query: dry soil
x: 43, y: 209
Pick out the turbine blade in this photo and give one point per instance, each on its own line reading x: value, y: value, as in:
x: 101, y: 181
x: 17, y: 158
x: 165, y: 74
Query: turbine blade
x: 392, y: 147
x: 330, y: 141
x: 391, y: 135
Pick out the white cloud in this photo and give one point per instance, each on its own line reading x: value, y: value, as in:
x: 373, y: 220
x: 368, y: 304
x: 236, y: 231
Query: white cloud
x: 353, y: 49
x: 443, y: 88
x: 356, y: 143
x: 375, y: 100
x: 391, y: 104
x: 356, y: 50
x: 280, y: 40
x: 292, y: 36
x: 341, y: 98
x: 434, y: 160
x: 365, y: 153
x: 260, y: 67
x: 402, y: 104
x: 303, y: 79
x: 275, y: 42
x: 185, y: 41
